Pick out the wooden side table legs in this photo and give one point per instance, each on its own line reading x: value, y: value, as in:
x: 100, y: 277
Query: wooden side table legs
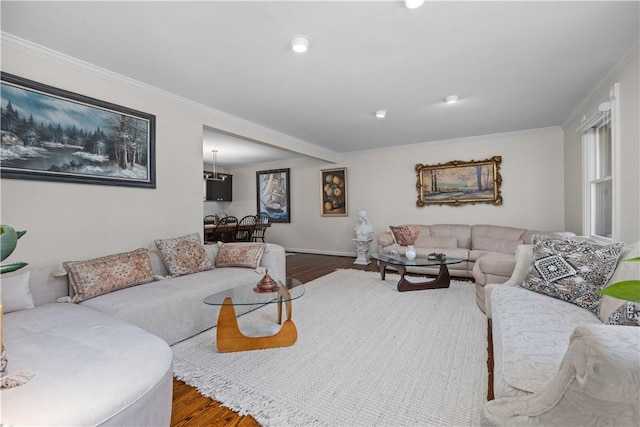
x: 229, y: 338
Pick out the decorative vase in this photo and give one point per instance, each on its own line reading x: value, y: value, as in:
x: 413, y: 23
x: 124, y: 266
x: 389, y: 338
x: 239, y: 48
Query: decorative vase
x: 266, y: 285
x: 411, y: 253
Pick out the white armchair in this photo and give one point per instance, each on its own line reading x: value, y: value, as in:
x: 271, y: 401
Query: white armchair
x: 597, y: 381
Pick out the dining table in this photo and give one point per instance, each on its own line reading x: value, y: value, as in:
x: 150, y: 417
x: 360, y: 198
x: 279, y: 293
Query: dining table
x: 226, y: 232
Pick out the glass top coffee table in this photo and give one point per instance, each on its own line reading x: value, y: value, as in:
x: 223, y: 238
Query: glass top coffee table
x: 229, y: 338
x: 400, y: 263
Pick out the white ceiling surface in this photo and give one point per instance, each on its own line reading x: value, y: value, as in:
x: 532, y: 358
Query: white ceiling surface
x: 515, y: 65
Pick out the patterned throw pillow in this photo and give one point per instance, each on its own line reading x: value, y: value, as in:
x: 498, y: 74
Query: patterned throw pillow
x: 404, y: 235
x: 103, y: 275
x: 628, y: 314
x: 183, y: 255
x: 571, y: 271
x: 240, y: 254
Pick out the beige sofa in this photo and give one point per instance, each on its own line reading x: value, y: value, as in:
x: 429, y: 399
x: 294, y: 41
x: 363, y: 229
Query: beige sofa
x: 487, y: 251
x: 558, y: 364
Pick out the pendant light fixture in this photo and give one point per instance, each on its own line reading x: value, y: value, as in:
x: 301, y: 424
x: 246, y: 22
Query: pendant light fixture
x: 215, y: 174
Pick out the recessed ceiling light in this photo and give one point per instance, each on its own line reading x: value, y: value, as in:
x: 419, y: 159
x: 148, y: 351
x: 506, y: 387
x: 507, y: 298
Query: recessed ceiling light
x: 381, y: 114
x: 299, y: 44
x: 413, y: 4
x: 452, y: 99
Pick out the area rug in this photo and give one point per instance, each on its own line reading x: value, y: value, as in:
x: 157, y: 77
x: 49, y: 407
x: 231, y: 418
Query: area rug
x: 366, y: 355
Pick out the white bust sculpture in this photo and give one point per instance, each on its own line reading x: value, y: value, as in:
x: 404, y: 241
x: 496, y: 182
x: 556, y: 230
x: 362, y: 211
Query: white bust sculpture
x: 364, y: 227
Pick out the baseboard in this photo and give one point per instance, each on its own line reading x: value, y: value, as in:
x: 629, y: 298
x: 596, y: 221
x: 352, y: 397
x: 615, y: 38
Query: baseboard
x: 321, y: 252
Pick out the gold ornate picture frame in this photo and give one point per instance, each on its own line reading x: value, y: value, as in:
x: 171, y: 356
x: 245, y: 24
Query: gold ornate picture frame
x: 458, y: 182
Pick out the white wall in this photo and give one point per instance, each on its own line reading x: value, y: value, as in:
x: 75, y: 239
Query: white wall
x: 75, y: 221
x: 629, y: 156
x: 384, y: 184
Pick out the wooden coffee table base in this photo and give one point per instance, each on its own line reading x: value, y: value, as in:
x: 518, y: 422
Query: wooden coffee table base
x: 229, y: 338
x: 442, y: 281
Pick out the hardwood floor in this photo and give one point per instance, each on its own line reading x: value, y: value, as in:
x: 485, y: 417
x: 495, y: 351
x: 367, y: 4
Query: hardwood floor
x: 190, y: 408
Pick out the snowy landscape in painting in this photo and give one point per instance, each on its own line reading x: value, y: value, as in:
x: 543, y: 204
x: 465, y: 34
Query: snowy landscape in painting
x: 46, y: 133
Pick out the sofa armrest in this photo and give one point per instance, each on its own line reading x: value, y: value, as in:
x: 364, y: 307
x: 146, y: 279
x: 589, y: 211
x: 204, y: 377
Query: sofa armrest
x: 385, y: 239
x: 524, y: 255
x: 274, y: 259
x: 598, y: 383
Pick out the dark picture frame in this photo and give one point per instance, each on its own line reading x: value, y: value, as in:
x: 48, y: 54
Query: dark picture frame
x: 459, y: 182
x: 273, y: 194
x: 50, y: 134
x: 333, y: 192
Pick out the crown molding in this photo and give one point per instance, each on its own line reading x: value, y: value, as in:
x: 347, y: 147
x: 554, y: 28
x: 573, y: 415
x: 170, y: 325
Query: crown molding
x: 303, y: 147
x: 466, y: 139
x: 605, y: 81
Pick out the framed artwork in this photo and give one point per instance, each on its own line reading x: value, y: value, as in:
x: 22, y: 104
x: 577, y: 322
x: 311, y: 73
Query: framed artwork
x: 333, y: 199
x: 458, y: 182
x: 273, y: 195
x: 50, y: 134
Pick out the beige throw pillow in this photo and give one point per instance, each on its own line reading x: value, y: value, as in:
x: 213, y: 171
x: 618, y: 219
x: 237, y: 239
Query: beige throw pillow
x: 240, y: 255
x: 99, y: 276
x: 183, y: 255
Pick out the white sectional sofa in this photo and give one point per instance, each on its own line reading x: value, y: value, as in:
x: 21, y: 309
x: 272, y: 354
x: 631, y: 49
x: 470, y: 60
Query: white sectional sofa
x: 106, y: 360
x: 487, y: 251
x: 557, y: 364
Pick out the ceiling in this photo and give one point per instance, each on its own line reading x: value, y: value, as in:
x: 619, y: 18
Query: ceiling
x: 515, y: 65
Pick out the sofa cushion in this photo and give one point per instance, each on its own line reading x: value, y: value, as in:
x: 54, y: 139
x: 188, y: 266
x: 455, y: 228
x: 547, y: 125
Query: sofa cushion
x: 628, y: 314
x: 183, y: 255
x: 495, y: 245
x: 15, y: 291
x: 159, y: 307
x: 240, y: 254
x: 461, y: 232
x: 404, y: 235
x: 570, y: 270
x: 436, y: 241
x: 90, y: 369
x: 624, y: 271
x: 106, y: 274
x: 531, y: 334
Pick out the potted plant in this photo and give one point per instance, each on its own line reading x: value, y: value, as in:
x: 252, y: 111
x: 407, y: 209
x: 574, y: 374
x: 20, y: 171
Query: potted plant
x: 628, y: 290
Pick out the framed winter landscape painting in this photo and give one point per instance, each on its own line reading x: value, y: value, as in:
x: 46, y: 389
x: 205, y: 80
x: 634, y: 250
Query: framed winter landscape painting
x: 457, y: 182
x: 273, y: 194
x: 51, y: 134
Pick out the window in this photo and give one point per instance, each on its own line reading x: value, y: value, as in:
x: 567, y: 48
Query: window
x: 598, y: 139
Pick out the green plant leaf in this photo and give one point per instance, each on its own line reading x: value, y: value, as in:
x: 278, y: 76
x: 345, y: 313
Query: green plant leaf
x: 8, y: 268
x: 8, y: 241
x: 631, y: 259
x: 628, y: 290
x: 21, y: 233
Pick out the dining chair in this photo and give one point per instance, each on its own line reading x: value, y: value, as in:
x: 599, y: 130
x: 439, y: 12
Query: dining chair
x: 209, y: 233
x: 258, y: 233
x: 245, y: 228
x: 227, y: 228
